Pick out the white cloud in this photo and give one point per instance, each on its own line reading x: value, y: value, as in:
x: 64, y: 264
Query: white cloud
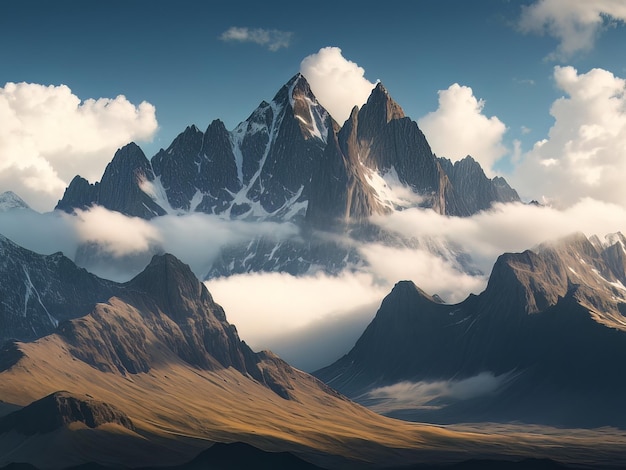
x: 307, y: 307
x: 584, y: 154
x: 116, y: 234
x: 434, y: 394
x: 273, y: 39
x: 574, y: 23
x: 48, y: 135
x: 435, y: 273
x: 338, y: 84
x: 459, y: 128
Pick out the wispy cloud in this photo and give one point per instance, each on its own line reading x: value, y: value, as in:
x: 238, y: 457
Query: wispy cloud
x: 433, y: 394
x: 576, y: 24
x: 273, y: 39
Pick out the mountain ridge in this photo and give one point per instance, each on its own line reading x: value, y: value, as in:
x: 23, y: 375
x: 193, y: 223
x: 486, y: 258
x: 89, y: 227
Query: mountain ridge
x: 547, y: 321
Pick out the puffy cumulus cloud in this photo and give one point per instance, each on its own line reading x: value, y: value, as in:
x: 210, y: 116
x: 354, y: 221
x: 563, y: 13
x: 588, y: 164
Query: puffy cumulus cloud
x: 339, y: 84
x: 459, y: 128
x: 48, y: 135
x: 574, y: 23
x: 584, y: 154
x: 273, y: 39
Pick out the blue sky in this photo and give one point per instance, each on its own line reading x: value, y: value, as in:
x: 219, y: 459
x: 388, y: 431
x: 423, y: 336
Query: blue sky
x: 173, y: 56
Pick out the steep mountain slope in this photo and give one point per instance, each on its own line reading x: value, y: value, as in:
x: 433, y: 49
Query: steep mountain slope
x: 37, y: 292
x: 533, y: 347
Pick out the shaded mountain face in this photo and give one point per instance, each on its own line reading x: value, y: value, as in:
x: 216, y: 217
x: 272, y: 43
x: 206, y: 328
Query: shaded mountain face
x: 38, y: 292
x: 62, y: 409
x: 111, y: 326
x: 291, y: 162
x: 120, y: 189
x: 533, y: 347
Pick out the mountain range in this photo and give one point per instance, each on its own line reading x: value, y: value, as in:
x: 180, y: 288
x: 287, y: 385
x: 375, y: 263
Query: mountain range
x: 542, y: 344
x: 291, y: 162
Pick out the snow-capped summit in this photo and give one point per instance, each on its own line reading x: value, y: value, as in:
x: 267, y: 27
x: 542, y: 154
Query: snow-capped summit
x: 10, y: 201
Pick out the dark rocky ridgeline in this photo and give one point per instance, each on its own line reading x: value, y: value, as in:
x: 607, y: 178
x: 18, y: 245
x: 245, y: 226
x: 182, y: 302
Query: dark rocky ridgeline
x: 119, y: 189
x: 113, y: 327
x: 476, y: 190
x: 39, y: 291
x: 549, y: 324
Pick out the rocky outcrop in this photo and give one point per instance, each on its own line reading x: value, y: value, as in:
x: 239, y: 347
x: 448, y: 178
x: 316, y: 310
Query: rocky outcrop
x: 61, y: 409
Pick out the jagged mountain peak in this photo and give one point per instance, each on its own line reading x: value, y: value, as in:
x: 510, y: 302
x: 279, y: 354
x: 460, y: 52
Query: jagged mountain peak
x: 381, y: 107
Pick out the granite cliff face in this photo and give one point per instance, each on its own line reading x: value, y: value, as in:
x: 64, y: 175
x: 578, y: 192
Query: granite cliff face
x: 541, y: 334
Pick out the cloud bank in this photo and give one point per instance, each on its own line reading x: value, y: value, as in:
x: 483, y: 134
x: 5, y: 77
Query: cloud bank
x: 576, y: 24
x: 339, y: 84
x: 298, y: 316
x: 48, y: 135
x: 459, y: 128
x: 273, y: 39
